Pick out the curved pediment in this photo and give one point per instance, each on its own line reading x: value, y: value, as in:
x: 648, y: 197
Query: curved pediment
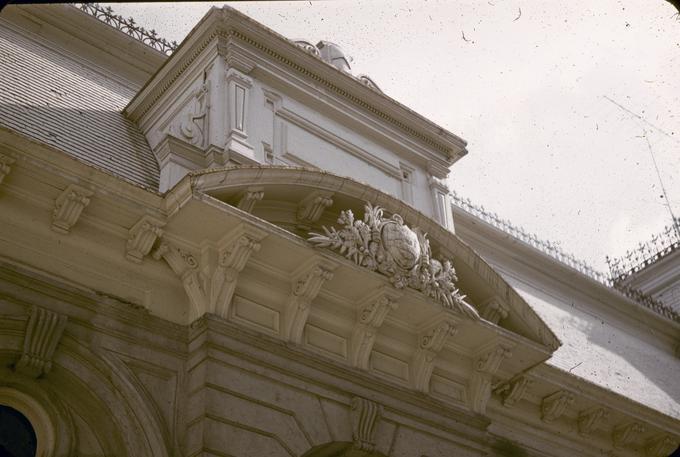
x: 304, y: 201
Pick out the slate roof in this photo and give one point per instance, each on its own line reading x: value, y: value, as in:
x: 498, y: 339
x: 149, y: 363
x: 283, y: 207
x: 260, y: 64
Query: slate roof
x: 56, y: 100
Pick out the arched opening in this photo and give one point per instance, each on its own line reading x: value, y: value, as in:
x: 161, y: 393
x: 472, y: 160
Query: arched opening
x: 17, y: 437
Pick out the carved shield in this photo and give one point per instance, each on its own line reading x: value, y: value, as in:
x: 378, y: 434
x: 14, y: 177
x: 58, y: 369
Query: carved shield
x: 401, y: 244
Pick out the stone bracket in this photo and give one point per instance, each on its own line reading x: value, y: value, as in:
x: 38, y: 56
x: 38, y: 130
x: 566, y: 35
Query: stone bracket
x: 307, y: 282
x: 210, y: 284
x: 312, y: 207
x: 364, y: 417
x: 661, y: 446
x: 494, y: 310
x: 142, y: 236
x: 589, y: 420
x: 68, y: 207
x: 249, y: 197
x: 43, y: 332
x: 554, y: 405
x: 485, y: 366
x: 430, y: 342
x: 372, y: 312
x: 623, y: 435
x: 511, y: 392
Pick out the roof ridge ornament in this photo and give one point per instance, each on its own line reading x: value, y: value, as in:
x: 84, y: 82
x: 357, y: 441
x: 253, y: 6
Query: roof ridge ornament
x: 392, y: 248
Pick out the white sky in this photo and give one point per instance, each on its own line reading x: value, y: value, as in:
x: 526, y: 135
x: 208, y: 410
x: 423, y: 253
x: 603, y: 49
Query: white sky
x: 547, y: 150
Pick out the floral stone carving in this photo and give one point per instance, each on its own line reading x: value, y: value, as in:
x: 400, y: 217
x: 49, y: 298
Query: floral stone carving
x: 392, y: 248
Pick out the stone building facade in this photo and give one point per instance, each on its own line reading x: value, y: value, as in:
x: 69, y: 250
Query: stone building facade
x: 243, y: 249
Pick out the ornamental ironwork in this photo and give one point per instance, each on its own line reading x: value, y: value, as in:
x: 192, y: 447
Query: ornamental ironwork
x: 128, y: 26
x: 390, y: 247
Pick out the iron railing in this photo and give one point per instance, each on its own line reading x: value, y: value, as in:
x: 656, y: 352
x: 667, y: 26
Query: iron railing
x: 128, y: 26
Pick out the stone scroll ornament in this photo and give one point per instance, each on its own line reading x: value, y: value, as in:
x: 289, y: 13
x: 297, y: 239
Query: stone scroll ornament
x: 398, y: 252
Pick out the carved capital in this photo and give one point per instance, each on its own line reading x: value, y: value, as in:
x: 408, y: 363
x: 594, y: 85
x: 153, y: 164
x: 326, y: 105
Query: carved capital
x: 43, y: 332
x: 312, y: 207
x: 588, y: 421
x: 372, y: 312
x: 68, y: 207
x: 306, y: 286
x: 661, y: 446
x: 494, y: 310
x: 365, y: 415
x: 430, y: 342
x: 513, y: 391
x: 141, y: 238
x: 623, y: 435
x: 555, y: 405
x: 5, y: 166
x: 248, y: 198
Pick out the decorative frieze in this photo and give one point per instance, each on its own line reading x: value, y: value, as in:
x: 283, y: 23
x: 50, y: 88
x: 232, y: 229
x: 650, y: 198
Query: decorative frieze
x: 661, y: 446
x: 43, y: 332
x: 494, y: 310
x: 312, y: 207
x: 624, y: 435
x: 306, y: 286
x: 142, y: 236
x: 554, y: 406
x: 5, y: 166
x: 513, y: 391
x: 430, y: 342
x: 485, y: 367
x: 249, y: 197
x: 68, y: 207
x: 590, y: 420
x: 365, y: 415
x: 372, y: 313
x: 394, y: 249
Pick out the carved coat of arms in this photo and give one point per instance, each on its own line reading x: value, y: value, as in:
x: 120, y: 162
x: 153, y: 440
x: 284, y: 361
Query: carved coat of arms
x: 394, y: 249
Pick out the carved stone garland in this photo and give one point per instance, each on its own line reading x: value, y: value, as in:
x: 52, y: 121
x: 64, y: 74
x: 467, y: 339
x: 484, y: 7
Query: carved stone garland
x: 398, y: 252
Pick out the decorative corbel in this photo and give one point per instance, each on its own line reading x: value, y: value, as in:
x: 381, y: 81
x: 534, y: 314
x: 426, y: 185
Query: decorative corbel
x: 365, y: 415
x: 372, y: 312
x: 494, y: 310
x: 430, y: 342
x: 661, y: 446
x: 210, y: 285
x: 238, y: 247
x: 589, y: 420
x: 485, y: 366
x: 248, y: 198
x: 312, y: 207
x: 68, y: 207
x: 43, y: 332
x: 141, y: 238
x: 624, y: 435
x: 185, y: 266
x: 307, y: 283
x: 511, y: 392
x: 5, y: 166
x: 554, y: 406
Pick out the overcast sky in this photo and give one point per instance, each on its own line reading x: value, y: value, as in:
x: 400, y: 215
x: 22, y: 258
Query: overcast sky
x: 533, y: 86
